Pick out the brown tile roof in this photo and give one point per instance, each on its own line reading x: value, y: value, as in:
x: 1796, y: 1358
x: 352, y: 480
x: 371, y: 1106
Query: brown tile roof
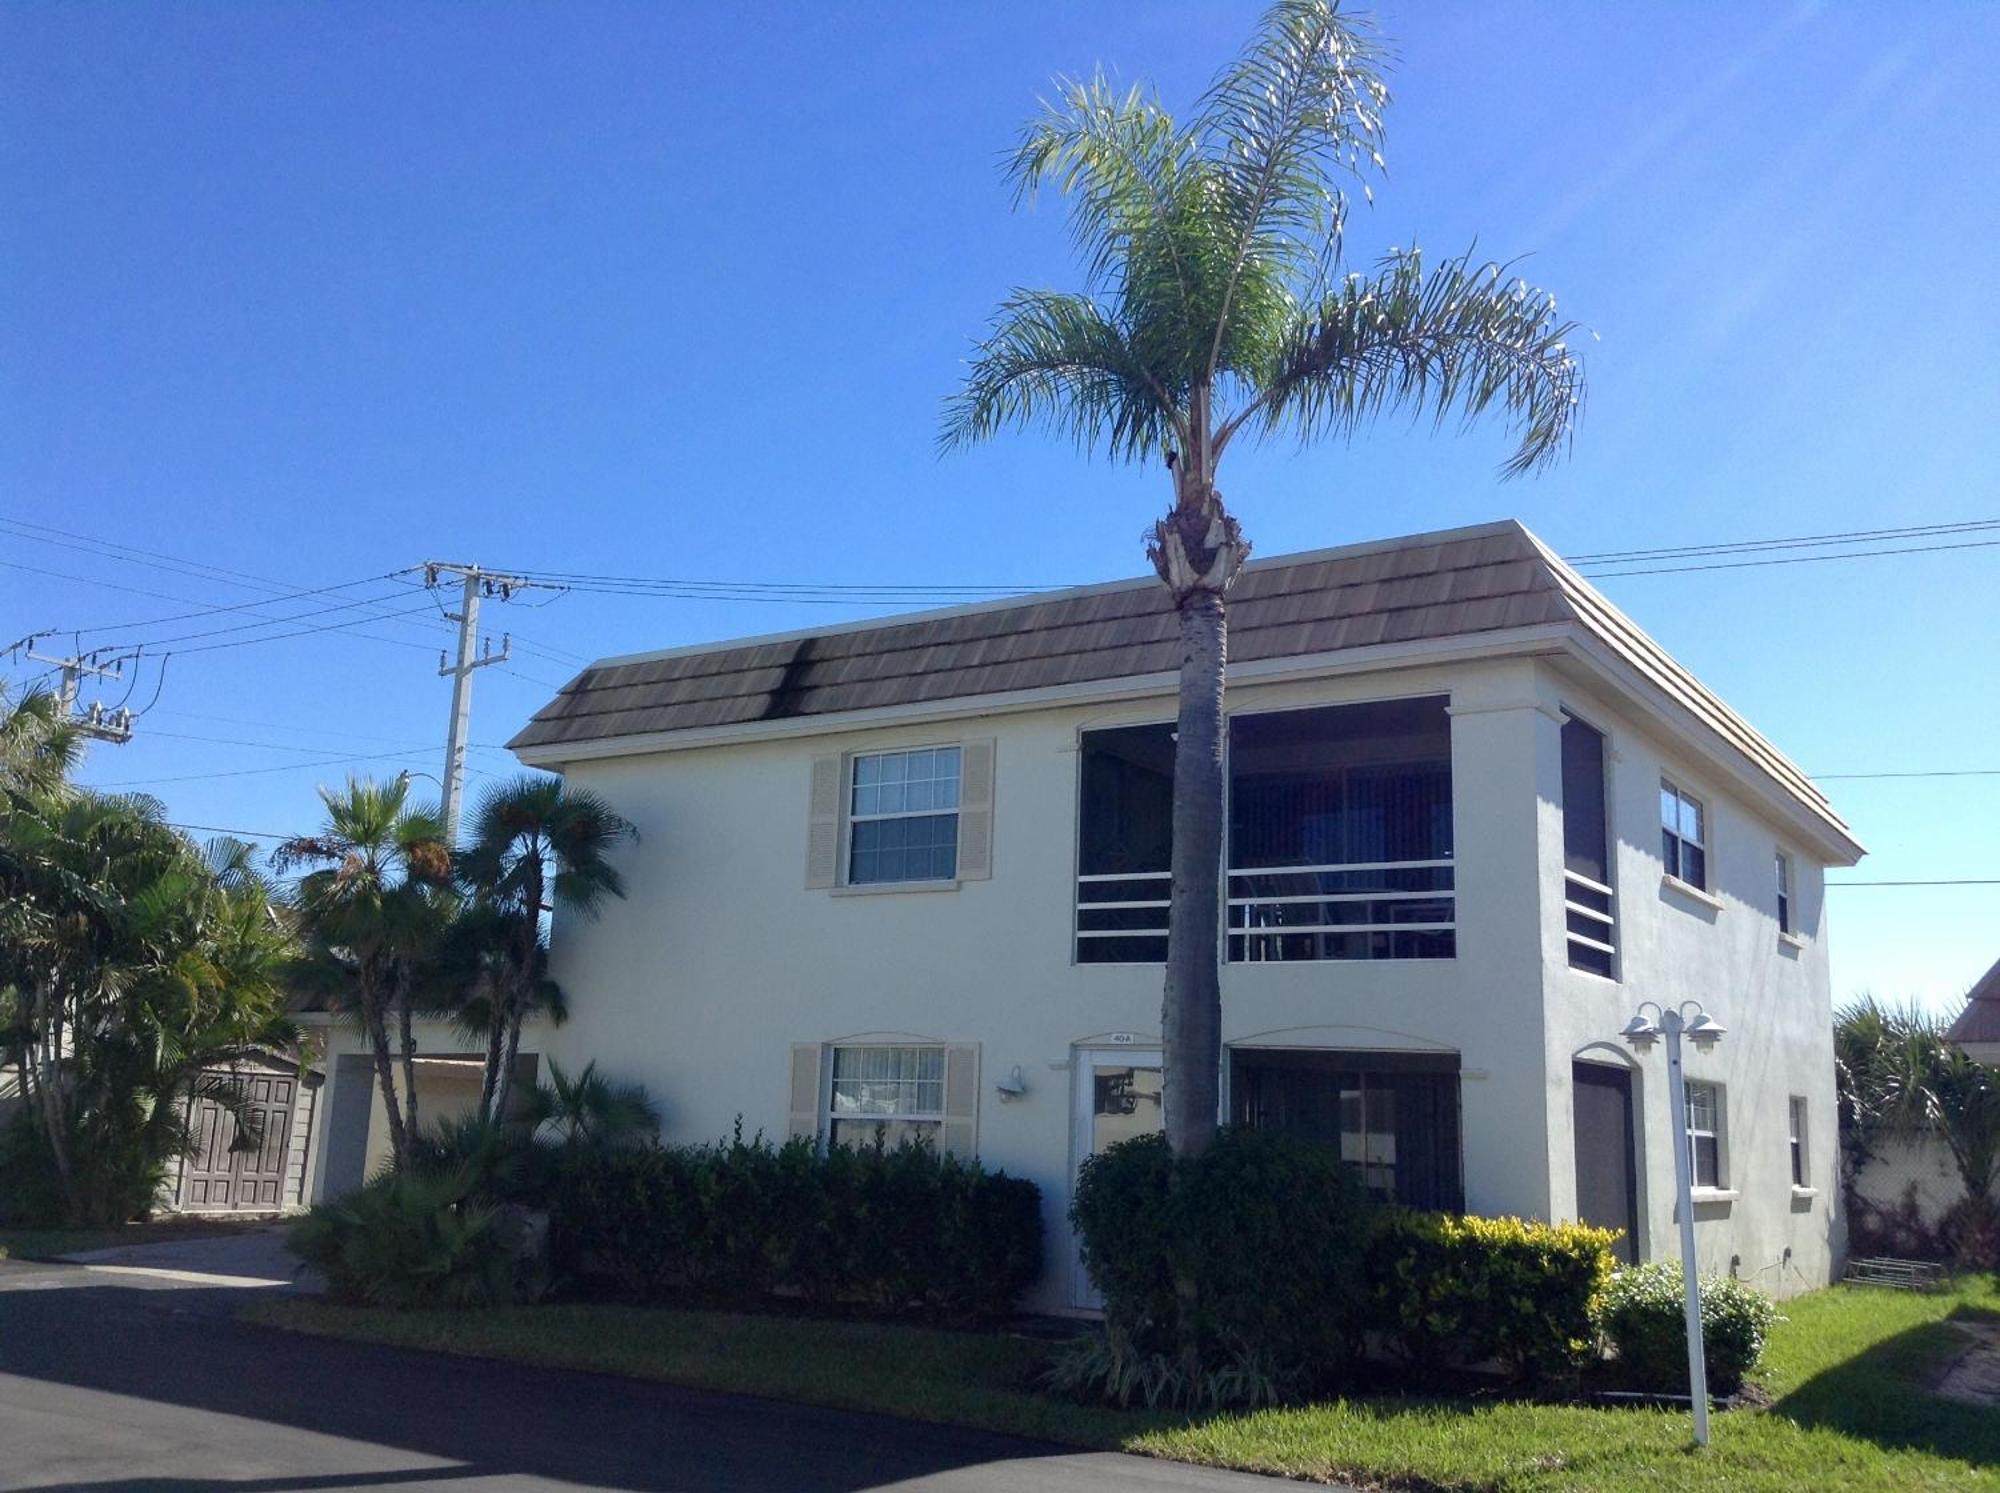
x: 1459, y: 583
x: 1980, y: 1020
x: 1435, y: 587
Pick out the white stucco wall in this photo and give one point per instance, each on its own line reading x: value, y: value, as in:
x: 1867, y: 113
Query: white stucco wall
x: 1772, y: 994
x: 719, y: 958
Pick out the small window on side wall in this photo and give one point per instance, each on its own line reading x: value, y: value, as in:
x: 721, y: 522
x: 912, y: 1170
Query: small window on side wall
x: 1800, y: 1161
x: 1704, y: 1134
x: 1783, y: 864
x: 1683, y: 835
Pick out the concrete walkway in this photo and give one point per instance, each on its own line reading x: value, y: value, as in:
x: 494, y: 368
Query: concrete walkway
x: 246, y: 1257
x: 144, y: 1382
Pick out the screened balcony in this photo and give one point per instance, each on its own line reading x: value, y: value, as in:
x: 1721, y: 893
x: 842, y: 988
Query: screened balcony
x: 1339, y: 837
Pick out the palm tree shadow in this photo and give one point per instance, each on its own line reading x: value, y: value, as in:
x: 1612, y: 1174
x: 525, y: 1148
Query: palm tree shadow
x: 1885, y: 1395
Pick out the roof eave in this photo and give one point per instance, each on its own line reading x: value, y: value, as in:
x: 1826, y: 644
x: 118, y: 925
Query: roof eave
x: 1544, y: 638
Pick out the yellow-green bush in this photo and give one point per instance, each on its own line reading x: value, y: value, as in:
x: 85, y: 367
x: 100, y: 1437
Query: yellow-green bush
x: 1447, y: 1290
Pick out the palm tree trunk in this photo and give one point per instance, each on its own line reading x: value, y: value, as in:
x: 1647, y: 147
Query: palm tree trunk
x: 489, y: 1087
x: 1191, y: 1014
x: 504, y: 1090
x: 50, y: 1087
x: 377, y: 1027
x: 409, y: 1052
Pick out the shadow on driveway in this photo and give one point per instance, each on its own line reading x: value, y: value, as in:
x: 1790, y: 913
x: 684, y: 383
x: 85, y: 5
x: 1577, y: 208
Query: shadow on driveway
x: 226, y: 1405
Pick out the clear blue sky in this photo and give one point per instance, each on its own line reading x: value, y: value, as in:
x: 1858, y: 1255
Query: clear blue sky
x: 316, y: 292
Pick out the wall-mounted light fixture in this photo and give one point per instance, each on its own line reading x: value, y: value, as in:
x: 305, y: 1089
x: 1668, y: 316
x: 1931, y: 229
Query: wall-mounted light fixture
x: 1012, y: 1087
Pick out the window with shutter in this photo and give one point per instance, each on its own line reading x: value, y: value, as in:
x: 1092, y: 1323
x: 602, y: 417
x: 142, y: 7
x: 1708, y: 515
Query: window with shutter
x: 892, y: 1094
x: 805, y: 1110
x: 921, y: 815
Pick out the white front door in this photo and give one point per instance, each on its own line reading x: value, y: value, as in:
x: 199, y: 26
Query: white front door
x: 1117, y: 1097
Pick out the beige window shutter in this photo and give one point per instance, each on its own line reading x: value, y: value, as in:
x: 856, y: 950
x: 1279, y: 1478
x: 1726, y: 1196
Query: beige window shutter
x: 805, y: 1090
x: 975, y: 809
x: 823, y: 823
x: 961, y: 1100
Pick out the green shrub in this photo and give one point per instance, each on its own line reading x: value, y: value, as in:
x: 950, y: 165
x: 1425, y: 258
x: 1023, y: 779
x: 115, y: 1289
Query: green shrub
x: 1446, y: 1289
x: 1230, y: 1277
x: 903, y: 1231
x: 414, y: 1240
x: 1642, y: 1316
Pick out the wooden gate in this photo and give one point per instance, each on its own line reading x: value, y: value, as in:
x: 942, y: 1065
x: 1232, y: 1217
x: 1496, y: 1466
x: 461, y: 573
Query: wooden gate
x: 219, y: 1176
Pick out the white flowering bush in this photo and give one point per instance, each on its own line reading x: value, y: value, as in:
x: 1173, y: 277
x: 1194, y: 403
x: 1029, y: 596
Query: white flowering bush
x: 1641, y: 1316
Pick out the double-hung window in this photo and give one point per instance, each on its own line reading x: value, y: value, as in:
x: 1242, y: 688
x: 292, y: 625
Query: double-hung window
x: 1801, y: 1175
x: 903, y: 816
x: 1704, y: 1133
x: 1683, y: 836
x: 1784, y: 873
x: 890, y: 1095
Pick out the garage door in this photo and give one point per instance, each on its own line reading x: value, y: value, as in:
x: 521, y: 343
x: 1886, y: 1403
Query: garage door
x: 219, y: 1175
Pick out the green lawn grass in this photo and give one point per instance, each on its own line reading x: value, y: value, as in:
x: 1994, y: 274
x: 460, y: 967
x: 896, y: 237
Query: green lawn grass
x: 1847, y: 1370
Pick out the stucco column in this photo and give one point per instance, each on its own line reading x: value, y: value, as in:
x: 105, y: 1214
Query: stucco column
x: 1506, y: 750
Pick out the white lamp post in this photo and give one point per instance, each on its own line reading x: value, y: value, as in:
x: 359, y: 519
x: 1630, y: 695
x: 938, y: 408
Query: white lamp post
x: 1704, y: 1031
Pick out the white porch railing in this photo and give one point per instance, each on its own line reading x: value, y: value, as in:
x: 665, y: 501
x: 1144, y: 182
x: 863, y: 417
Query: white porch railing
x: 1590, y: 921
x: 1348, y: 910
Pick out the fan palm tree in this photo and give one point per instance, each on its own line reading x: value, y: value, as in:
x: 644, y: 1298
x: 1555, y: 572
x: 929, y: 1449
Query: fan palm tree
x: 133, y: 969
x: 536, y: 844
x: 39, y: 745
x: 372, y: 915
x: 1216, y: 306
x: 1901, y: 1075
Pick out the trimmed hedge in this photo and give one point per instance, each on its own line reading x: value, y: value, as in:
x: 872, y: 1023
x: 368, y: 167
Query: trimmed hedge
x: 1258, y: 1271
x: 1643, y: 1316
x: 894, y: 1231
x: 1449, y: 1290
x: 1232, y: 1277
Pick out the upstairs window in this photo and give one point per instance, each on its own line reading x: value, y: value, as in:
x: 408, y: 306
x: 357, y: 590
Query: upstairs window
x: 1683, y: 836
x: 1797, y: 1111
x: 1340, y: 833
x: 903, y: 817
x: 1587, y: 893
x: 1784, y: 873
x: 1704, y: 1133
x: 1125, y: 844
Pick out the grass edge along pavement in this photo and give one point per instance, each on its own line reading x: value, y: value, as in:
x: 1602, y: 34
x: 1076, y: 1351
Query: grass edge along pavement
x: 1847, y: 1372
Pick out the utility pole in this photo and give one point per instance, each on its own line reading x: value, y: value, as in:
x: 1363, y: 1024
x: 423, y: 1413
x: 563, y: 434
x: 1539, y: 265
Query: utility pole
x: 96, y: 722
x: 475, y: 584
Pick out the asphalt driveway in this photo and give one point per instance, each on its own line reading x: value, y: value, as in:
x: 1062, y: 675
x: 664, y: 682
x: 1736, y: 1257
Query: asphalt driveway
x: 142, y: 1380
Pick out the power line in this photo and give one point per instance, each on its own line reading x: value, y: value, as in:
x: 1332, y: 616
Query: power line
x: 1849, y: 536
x: 219, y: 829
x: 245, y: 772
x: 1969, y: 772
x: 91, y: 580
x: 1874, y: 554
x: 1944, y: 881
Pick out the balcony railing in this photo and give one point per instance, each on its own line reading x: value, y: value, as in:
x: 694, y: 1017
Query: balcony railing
x: 1357, y: 910
x: 1403, y: 909
x: 1591, y: 923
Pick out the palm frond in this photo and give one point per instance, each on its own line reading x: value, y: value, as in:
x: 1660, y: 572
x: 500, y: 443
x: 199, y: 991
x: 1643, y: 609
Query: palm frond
x: 1463, y: 338
x: 1058, y: 361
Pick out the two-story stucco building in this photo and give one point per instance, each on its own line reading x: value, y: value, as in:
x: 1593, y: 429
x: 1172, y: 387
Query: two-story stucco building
x: 910, y: 876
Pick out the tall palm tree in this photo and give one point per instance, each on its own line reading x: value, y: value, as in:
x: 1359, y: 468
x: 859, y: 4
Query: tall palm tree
x: 536, y: 844
x: 1217, y: 304
x: 372, y: 914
